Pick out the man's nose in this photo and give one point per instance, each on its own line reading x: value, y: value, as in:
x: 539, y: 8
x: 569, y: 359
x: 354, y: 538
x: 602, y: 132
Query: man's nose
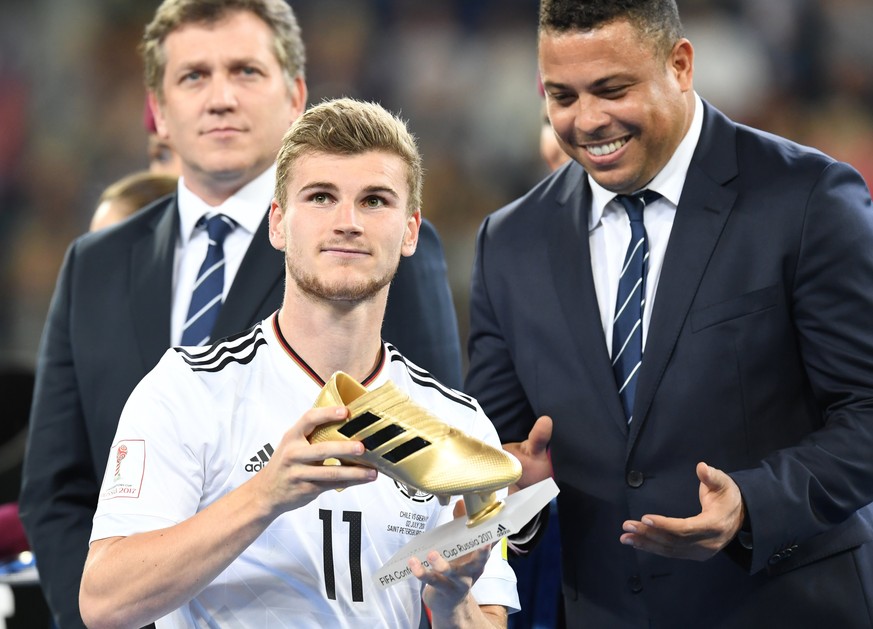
x: 347, y: 218
x: 590, y: 116
x: 222, y: 94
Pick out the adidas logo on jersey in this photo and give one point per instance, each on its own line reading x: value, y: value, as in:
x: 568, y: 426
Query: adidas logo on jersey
x: 260, y: 459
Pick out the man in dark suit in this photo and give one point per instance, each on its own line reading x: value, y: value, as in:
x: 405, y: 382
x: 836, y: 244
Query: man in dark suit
x: 225, y: 80
x: 723, y: 477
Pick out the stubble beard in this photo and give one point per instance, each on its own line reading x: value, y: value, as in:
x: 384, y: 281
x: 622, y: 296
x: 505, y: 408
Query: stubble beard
x: 351, y: 293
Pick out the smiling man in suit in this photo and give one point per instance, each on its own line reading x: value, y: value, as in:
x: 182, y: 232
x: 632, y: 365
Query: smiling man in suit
x: 225, y: 81
x: 686, y: 308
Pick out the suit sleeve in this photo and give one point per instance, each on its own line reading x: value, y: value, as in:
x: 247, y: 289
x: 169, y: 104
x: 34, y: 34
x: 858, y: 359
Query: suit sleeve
x: 800, y: 491
x: 420, y: 319
x: 492, y: 378
x: 59, y: 489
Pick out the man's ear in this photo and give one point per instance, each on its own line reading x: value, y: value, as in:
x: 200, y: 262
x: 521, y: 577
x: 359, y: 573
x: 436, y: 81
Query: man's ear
x: 158, y: 115
x: 682, y: 64
x: 298, y: 99
x: 410, y: 237
x: 277, y: 226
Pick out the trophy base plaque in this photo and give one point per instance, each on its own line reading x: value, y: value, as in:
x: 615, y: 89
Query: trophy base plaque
x: 455, y: 539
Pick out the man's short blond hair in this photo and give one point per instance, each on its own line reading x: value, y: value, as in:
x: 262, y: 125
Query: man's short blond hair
x: 345, y: 126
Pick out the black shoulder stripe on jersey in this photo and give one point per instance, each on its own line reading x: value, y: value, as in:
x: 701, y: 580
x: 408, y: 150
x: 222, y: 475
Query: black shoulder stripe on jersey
x: 396, y: 355
x: 210, y: 352
x: 233, y: 358
x: 236, y: 347
x: 425, y: 379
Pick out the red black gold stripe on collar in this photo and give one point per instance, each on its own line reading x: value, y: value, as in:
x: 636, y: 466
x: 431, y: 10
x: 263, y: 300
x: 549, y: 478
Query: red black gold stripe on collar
x: 309, y: 370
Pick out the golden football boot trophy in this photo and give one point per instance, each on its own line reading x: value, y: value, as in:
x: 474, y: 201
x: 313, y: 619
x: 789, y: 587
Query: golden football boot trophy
x: 409, y: 444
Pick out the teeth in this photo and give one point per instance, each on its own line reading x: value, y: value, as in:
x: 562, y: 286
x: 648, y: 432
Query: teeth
x: 606, y: 149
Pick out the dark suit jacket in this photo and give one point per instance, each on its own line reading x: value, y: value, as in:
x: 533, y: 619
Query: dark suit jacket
x: 109, y: 324
x: 759, y: 361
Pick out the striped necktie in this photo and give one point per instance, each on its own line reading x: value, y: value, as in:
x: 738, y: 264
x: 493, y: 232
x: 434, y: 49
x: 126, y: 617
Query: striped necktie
x: 627, y: 326
x: 209, y: 287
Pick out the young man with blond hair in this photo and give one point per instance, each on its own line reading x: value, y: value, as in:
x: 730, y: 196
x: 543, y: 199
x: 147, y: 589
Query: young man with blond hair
x: 229, y: 545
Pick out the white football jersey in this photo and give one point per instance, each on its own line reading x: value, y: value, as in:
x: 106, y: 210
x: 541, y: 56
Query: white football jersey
x: 205, y: 420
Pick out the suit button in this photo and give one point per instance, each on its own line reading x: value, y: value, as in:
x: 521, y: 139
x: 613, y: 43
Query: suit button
x: 635, y: 479
x: 783, y: 554
x: 635, y: 584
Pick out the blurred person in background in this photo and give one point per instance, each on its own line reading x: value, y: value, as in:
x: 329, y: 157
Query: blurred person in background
x: 129, y: 194
x: 225, y: 80
x: 677, y: 326
x: 163, y: 158
x: 551, y: 150
x: 17, y: 572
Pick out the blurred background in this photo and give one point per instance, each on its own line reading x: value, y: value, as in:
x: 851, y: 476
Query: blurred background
x: 463, y: 72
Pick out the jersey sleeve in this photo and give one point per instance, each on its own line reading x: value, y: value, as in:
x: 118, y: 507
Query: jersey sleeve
x: 155, y: 471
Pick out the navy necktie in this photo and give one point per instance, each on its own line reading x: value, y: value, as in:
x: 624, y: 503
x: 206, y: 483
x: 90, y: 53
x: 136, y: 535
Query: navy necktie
x: 627, y: 326
x: 207, y: 294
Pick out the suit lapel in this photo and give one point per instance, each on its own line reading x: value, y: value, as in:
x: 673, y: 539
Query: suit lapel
x: 570, y: 261
x: 257, y: 281
x: 151, y: 282
x: 700, y: 218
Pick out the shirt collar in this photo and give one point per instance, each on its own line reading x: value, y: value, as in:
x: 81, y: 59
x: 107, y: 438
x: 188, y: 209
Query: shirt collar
x: 670, y: 179
x: 247, y: 206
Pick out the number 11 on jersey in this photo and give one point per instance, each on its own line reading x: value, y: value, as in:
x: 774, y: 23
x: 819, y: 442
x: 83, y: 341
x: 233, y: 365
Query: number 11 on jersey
x: 353, y: 518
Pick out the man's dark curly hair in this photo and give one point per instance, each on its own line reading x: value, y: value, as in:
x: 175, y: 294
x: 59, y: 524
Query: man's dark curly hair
x: 655, y: 19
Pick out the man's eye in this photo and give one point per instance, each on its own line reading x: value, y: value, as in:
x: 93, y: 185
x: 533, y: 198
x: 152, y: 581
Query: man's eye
x: 374, y: 202
x: 614, y: 92
x: 319, y: 197
x: 562, y: 98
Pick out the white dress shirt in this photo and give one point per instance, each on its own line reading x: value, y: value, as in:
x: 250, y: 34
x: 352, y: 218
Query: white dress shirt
x: 609, y: 229
x: 247, y: 207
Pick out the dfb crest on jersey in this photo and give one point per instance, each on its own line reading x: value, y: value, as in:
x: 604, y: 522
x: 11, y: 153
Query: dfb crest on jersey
x: 413, y: 494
